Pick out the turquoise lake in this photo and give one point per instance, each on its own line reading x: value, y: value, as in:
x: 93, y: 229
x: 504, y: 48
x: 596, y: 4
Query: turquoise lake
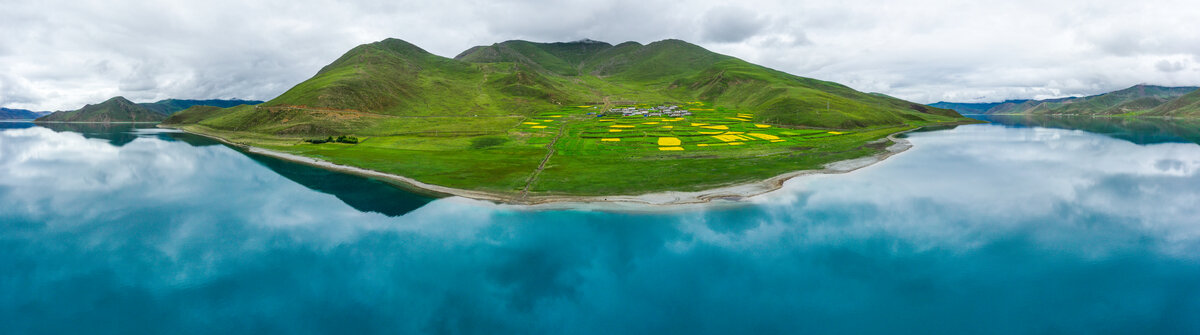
x: 1047, y: 226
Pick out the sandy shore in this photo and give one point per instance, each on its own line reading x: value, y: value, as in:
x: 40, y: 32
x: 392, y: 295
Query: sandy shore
x: 732, y: 193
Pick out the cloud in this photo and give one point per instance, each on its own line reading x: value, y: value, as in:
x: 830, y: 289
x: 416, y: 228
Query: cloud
x: 64, y: 54
x: 728, y: 24
x: 1170, y: 66
x: 15, y: 91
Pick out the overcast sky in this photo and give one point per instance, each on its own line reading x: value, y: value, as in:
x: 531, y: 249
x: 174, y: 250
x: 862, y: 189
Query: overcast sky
x: 63, y: 54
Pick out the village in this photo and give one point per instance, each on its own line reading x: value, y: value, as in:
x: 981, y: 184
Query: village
x: 663, y: 110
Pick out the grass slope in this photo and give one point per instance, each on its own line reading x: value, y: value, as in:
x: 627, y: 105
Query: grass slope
x: 116, y: 109
x: 1185, y: 106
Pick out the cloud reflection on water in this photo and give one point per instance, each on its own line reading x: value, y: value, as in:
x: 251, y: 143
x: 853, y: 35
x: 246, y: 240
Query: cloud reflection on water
x: 979, y: 229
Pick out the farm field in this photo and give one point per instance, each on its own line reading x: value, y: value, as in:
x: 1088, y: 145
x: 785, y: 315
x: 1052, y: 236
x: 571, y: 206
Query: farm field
x: 578, y: 151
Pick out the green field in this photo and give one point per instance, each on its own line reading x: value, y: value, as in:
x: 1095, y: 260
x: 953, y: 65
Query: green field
x: 591, y: 155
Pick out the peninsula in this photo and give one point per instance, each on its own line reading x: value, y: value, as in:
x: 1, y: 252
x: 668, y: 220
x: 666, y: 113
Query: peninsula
x: 525, y: 122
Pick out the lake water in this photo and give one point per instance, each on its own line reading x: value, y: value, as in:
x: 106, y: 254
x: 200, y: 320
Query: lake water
x: 1014, y: 228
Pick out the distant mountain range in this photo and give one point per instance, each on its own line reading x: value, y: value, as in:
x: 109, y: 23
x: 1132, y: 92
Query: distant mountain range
x: 1146, y: 100
x: 119, y: 109
x: 170, y: 106
x: 20, y: 114
x: 116, y: 109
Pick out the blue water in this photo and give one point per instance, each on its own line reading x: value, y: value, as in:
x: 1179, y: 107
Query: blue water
x: 977, y: 229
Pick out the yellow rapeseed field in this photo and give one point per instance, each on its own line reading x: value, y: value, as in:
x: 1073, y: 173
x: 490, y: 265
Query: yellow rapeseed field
x: 728, y: 138
x: 764, y: 136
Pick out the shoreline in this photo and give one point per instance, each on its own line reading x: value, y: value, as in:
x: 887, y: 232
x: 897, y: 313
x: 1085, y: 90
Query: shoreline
x: 98, y: 122
x: 736, y: 193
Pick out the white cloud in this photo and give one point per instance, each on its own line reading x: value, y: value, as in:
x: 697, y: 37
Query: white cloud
x: 63, y: 54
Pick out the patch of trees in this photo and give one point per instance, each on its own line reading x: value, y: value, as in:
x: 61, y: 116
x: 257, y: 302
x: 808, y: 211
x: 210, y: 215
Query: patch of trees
x: 331, y: 139
x: 487, y: 141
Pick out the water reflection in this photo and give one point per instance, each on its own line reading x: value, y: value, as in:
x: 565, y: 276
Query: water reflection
x: 5, y: 124
x: 1137, y: 130
x: 979, y: 229
x: 116, y: 133
x: 363, y: 194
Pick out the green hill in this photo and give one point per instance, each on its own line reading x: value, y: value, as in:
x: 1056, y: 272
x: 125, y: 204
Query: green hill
x: 524, y: 118
x: 1134, y: 100
x: 170, y: 106
x: 117, y: 109
x: 395, y: 78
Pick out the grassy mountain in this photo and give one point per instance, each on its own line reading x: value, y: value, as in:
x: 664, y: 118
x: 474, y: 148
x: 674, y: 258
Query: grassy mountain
x: 1135, y: 100
x: 170, y: 106
x: 1185, y: 106
x: 20, y: 114
x: 116, y: 109
x: 395, y: 78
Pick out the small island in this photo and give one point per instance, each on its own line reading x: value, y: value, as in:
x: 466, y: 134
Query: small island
x: 523, y: 122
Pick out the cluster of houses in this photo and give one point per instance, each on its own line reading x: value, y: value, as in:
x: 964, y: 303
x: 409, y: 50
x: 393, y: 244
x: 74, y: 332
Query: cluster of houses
x: 671, y: 111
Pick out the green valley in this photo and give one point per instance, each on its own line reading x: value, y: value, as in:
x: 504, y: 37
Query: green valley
x: 528, y: 120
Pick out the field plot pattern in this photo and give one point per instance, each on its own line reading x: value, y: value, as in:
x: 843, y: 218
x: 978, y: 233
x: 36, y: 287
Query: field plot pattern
x: 707, y: 129
x: 584, y: 150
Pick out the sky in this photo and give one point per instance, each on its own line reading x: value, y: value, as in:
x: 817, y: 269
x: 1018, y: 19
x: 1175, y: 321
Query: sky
x: 59, y: 55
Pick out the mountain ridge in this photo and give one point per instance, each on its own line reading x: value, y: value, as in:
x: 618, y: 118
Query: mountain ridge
x: 115, y: 109
x: 170, y: 106
x: 120, y: 109
x: 20, y: 114
x: 1139, y: 99
x: 396, y: 78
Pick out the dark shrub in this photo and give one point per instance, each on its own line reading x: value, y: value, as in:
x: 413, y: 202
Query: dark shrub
x: 487, y: 141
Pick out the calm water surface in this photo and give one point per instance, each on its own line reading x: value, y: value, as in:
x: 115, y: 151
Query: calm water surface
x: 995, y: 228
